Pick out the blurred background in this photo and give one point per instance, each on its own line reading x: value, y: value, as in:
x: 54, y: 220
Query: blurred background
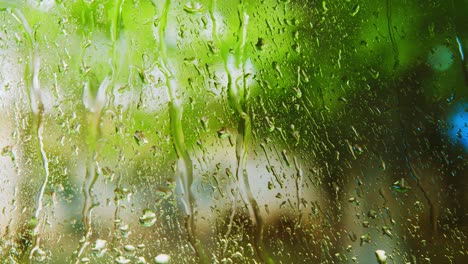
x: 215, y: 131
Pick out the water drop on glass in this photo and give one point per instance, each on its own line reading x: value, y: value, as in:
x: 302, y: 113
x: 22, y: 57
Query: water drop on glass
x: 193, y: 7
x: 381, y: 256
x: 129, y: 248
x: 162, y: 258
x: 148, y: 218
x: 122, y: 260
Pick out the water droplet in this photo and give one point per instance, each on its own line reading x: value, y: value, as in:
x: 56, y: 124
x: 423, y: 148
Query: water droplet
x: 8, y: 152
x: 148, y: 219
x: 140, y: 138
x: 366, y: 238
x: 163, y: 192
x: 156, y: 21
x: 270, y: 185
x: 324, y: 6
x: 418, y: 205
x: 122, y: 260
x: 372, y: 214
x: 108, y: 173
x: 122, y: 193
x: 204, y: 123
x: 382, y: 165
x: 387, y: 231
x: 298, y: 92
x: 162, y: 258
x: 237, y: 255
x: 129, y: 248
x: 358, y: 149
x: 193, y: 7
x: 39, y: 255
x: 381, y: 256
x: 224, y: 133
x: 401, y: 186
x: 99, y: 247
x: 260, y: 44
x: 124, y: 230
x: 355, y: 10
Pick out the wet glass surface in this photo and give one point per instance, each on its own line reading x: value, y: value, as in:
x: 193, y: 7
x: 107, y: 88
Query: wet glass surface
x: 216, y: 131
